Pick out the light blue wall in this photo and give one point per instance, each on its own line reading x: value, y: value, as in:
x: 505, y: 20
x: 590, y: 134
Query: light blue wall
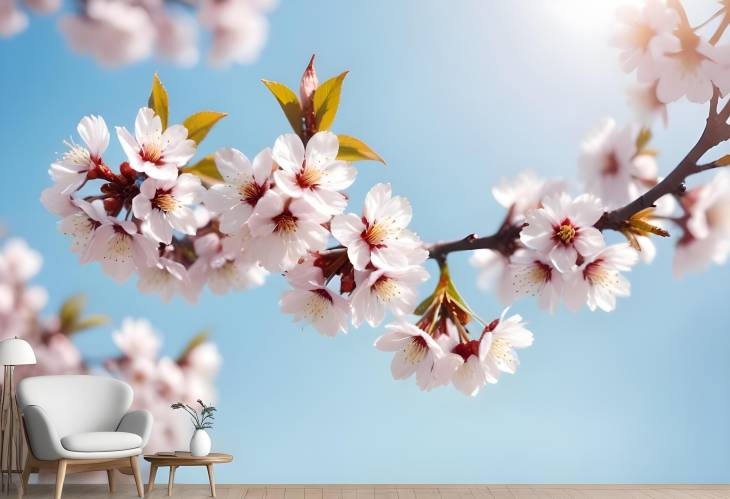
x: 454, y: 95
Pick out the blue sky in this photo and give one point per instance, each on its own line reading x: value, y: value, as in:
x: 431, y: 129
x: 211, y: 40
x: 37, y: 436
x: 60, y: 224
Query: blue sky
x: 454, y: 95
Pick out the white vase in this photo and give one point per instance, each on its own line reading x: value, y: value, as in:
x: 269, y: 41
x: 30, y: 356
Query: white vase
x: 200, y: 444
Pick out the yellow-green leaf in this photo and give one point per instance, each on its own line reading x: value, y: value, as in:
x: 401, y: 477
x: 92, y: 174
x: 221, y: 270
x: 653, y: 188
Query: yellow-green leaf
x: 194, y: 343
x: 289, y: 103
x: 724, y: 161
x: 205, y: 169
x: 89, y: 322
x: 425, y: 304
x: 158, y: 101
x: 643, y: 139
x: 327, y: 100
x: 71, y: 311
x: 199, y: 124
x: 352, y: 149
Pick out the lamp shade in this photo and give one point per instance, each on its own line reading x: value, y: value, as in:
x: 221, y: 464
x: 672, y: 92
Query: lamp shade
x: 16, y: 352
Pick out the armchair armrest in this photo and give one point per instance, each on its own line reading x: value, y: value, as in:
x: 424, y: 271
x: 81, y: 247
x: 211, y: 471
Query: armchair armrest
x: 44, y: 441
x: 137, y: 422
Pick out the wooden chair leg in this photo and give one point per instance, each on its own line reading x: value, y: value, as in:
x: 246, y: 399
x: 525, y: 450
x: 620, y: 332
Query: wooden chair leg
x: 60, y: 476
x: 153, y: 475
x: 110, y: 478
x: 171, y: 481
x: 137, y: 475
x: 211, y: 479
x: 25, y: 476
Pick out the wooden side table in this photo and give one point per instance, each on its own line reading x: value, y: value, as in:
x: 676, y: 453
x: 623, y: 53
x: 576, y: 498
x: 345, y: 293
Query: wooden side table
x: 184, y: 459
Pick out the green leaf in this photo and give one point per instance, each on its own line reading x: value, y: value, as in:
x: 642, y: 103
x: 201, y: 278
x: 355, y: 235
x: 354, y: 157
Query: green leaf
x: 352, y: 149
x: 89, y: 322
x: 158, y: 101
x: 425, y: 304
x: 289, y: 103
x: 199, y: 124
x: 327, y: 100
x: 71, y: 311
x: 205, y: 169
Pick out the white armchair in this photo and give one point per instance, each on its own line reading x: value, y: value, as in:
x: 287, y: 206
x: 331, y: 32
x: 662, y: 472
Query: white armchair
x: 78, y: 423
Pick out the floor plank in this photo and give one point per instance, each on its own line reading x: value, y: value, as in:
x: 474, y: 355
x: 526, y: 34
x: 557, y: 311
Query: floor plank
x: 503, y: 491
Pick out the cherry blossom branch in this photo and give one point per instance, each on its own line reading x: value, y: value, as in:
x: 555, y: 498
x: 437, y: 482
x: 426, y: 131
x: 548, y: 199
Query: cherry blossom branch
x: 716, y: 131
x: 504, y: 241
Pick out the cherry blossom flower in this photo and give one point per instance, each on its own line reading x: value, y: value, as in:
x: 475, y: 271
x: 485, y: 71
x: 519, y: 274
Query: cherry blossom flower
x: 285, y: 229
x: 688, y: 72
x: 611, y: 166
x: 204, y: 361
x: 136, y: 338
x: 81, y: 224
x: 164, y: 206
x: 645, y: 36
x: 153, y: 151
x: 112, y: 32
x: 378, y: 290
x: 71, y: 171
x: 525, y: 192
x: 493, y: 273
x: 531, y: 274
x: 19, y: 301
x: 313, y: 174
x: 326, y: 311
x: 225, y: 264
x: 646, y: 104
x: 56, y: 354
x: 306, y: 273
x: 244, y: 184
x: 417, y: 352
x: 598, y: 281
x: 118, y: 246
x: 167, y: 278
x: 707, y: 233
x: 380, y: 236
x: 721, y: 70
x: 484, y: 360
x: 563, y: 229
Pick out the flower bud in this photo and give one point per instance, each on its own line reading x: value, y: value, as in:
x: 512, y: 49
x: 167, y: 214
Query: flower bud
x: 127, y: 171
x: 113, y: 205
x: 307, y: 86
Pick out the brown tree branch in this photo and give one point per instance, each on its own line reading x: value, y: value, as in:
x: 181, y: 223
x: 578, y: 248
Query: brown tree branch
x: 505, y: 240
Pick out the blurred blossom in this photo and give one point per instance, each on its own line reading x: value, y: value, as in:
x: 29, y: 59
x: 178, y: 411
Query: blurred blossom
x: 612, y: 167
x: 12, y: 19
x: 706, y: 237
x: 238, y: 27
x: 646, y: 104
x: 157, y: 381
x: 120, y: 32
x: 177, y: 38
x: 114, y: 32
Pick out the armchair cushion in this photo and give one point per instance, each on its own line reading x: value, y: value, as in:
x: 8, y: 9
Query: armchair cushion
x: 101, y: 441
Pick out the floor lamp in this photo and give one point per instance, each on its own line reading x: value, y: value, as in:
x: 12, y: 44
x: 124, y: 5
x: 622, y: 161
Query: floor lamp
x: 13, y: 352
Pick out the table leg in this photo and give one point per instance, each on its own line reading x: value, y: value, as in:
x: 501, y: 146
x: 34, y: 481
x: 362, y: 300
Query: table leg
x: 211, y: 479
x: 153, y: 475
x: 171, y: 481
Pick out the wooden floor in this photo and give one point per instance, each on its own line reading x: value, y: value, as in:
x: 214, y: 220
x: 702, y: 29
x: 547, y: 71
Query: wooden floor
x: 401, y: 491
